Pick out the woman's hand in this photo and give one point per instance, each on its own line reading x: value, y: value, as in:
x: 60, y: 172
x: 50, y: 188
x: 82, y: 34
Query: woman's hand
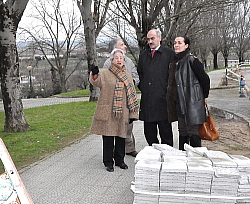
x: 95, y: 70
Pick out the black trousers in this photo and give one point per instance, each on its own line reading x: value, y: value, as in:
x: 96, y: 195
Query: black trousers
x: 165, y: 132
x: 113, y: 150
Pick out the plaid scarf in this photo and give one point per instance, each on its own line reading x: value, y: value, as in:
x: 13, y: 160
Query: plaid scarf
x: 122, y: 80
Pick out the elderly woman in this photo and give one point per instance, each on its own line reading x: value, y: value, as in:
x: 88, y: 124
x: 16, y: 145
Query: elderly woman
x: 117, y: 106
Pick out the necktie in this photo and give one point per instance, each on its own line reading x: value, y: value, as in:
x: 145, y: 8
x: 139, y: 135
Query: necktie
x: 153, y: 52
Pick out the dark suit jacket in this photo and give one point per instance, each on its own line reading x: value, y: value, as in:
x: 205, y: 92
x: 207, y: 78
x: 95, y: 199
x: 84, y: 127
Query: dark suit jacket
x: 153, y: 75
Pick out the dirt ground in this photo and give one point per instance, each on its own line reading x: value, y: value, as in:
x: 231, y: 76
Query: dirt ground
x: 234, y: 137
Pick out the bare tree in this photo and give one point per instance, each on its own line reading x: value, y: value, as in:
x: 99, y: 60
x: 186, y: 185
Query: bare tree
x: 11, y: 14
x: 212, y: 31
x: 172, y: 17
x: 227, y: 23
x: 118, y: 27
x: 56, y: 33
x: 141, y: 15
x: 215, y: 38
x: 93, y: 24
x: 241, y: 31
x: 201, y: 21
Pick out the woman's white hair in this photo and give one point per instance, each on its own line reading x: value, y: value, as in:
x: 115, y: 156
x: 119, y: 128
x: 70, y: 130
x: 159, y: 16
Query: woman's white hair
x: 115, y: 51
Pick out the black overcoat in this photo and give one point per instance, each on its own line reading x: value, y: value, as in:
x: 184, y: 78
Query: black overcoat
x: 153, y: 74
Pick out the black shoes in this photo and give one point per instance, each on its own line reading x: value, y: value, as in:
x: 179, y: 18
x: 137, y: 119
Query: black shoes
x: 133, y: 154
x: 122, y: 165
x: 110, y: 168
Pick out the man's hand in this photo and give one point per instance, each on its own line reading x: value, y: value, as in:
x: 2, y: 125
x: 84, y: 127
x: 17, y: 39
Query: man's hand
x: 94, y: 69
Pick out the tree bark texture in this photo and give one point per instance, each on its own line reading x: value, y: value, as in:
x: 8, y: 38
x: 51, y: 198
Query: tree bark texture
x: 11, y: 12
x: 90, y: 40
x: 56, y: 86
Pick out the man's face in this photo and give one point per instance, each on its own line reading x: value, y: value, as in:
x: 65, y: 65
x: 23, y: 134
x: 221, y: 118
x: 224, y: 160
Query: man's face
x: 122, y: 46
x: 153, y: 39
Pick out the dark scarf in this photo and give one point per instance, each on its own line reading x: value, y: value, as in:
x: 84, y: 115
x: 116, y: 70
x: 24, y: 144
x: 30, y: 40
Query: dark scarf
x: 122, y: 80
x: 172, y: 98
x: 180, y: 55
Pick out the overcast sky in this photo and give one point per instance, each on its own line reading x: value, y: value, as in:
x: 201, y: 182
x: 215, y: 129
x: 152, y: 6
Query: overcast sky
x: 27, y: 21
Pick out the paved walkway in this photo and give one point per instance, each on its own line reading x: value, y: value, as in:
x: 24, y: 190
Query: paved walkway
x: 36, y: 102
x: 76, y: 174
x: 228, y: 99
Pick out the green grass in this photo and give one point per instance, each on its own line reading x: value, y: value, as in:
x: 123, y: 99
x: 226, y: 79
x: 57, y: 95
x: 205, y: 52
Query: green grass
x: 77, y: 93
x: 81, y: 93
x: 52, y: 128
x: 236, y: 148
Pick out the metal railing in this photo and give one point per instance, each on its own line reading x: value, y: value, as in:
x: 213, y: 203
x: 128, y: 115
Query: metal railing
x: 232, y: 73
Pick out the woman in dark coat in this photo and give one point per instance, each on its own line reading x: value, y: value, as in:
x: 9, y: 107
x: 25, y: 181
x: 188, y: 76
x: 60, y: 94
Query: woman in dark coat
x: 188, y: 89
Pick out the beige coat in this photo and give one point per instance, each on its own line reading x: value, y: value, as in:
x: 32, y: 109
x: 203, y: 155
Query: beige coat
x: 103, y: 122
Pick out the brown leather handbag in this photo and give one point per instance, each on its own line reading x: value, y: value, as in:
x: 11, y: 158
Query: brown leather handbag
x: 207, y: 130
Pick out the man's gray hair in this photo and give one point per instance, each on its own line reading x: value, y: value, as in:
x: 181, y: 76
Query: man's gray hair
x: 158, y: 32
x: 113, y: 43
x: 115, y: 51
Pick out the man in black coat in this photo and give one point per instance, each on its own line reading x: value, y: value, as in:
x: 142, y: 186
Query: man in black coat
x: 153, y: 73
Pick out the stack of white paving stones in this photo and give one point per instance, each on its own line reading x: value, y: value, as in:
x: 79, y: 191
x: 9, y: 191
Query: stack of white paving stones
x: 225, y: 179
x: 244, y: 182
x: 147, y: 172
x: 165, y: 175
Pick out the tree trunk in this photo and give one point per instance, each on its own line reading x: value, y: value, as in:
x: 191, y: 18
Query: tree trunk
x: 10, y: 86
x: 10, y: 15
x: 63, y: 85
x: 91, y: 53
x: 90, y: 40
x: 62, y: 75
x: 205, y: 64
x: 146, y: 26
x: 215, y: 60
x: 225, y: 53
x: 56, y: 87
x: 226, y: 62
x: 241, y: 57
